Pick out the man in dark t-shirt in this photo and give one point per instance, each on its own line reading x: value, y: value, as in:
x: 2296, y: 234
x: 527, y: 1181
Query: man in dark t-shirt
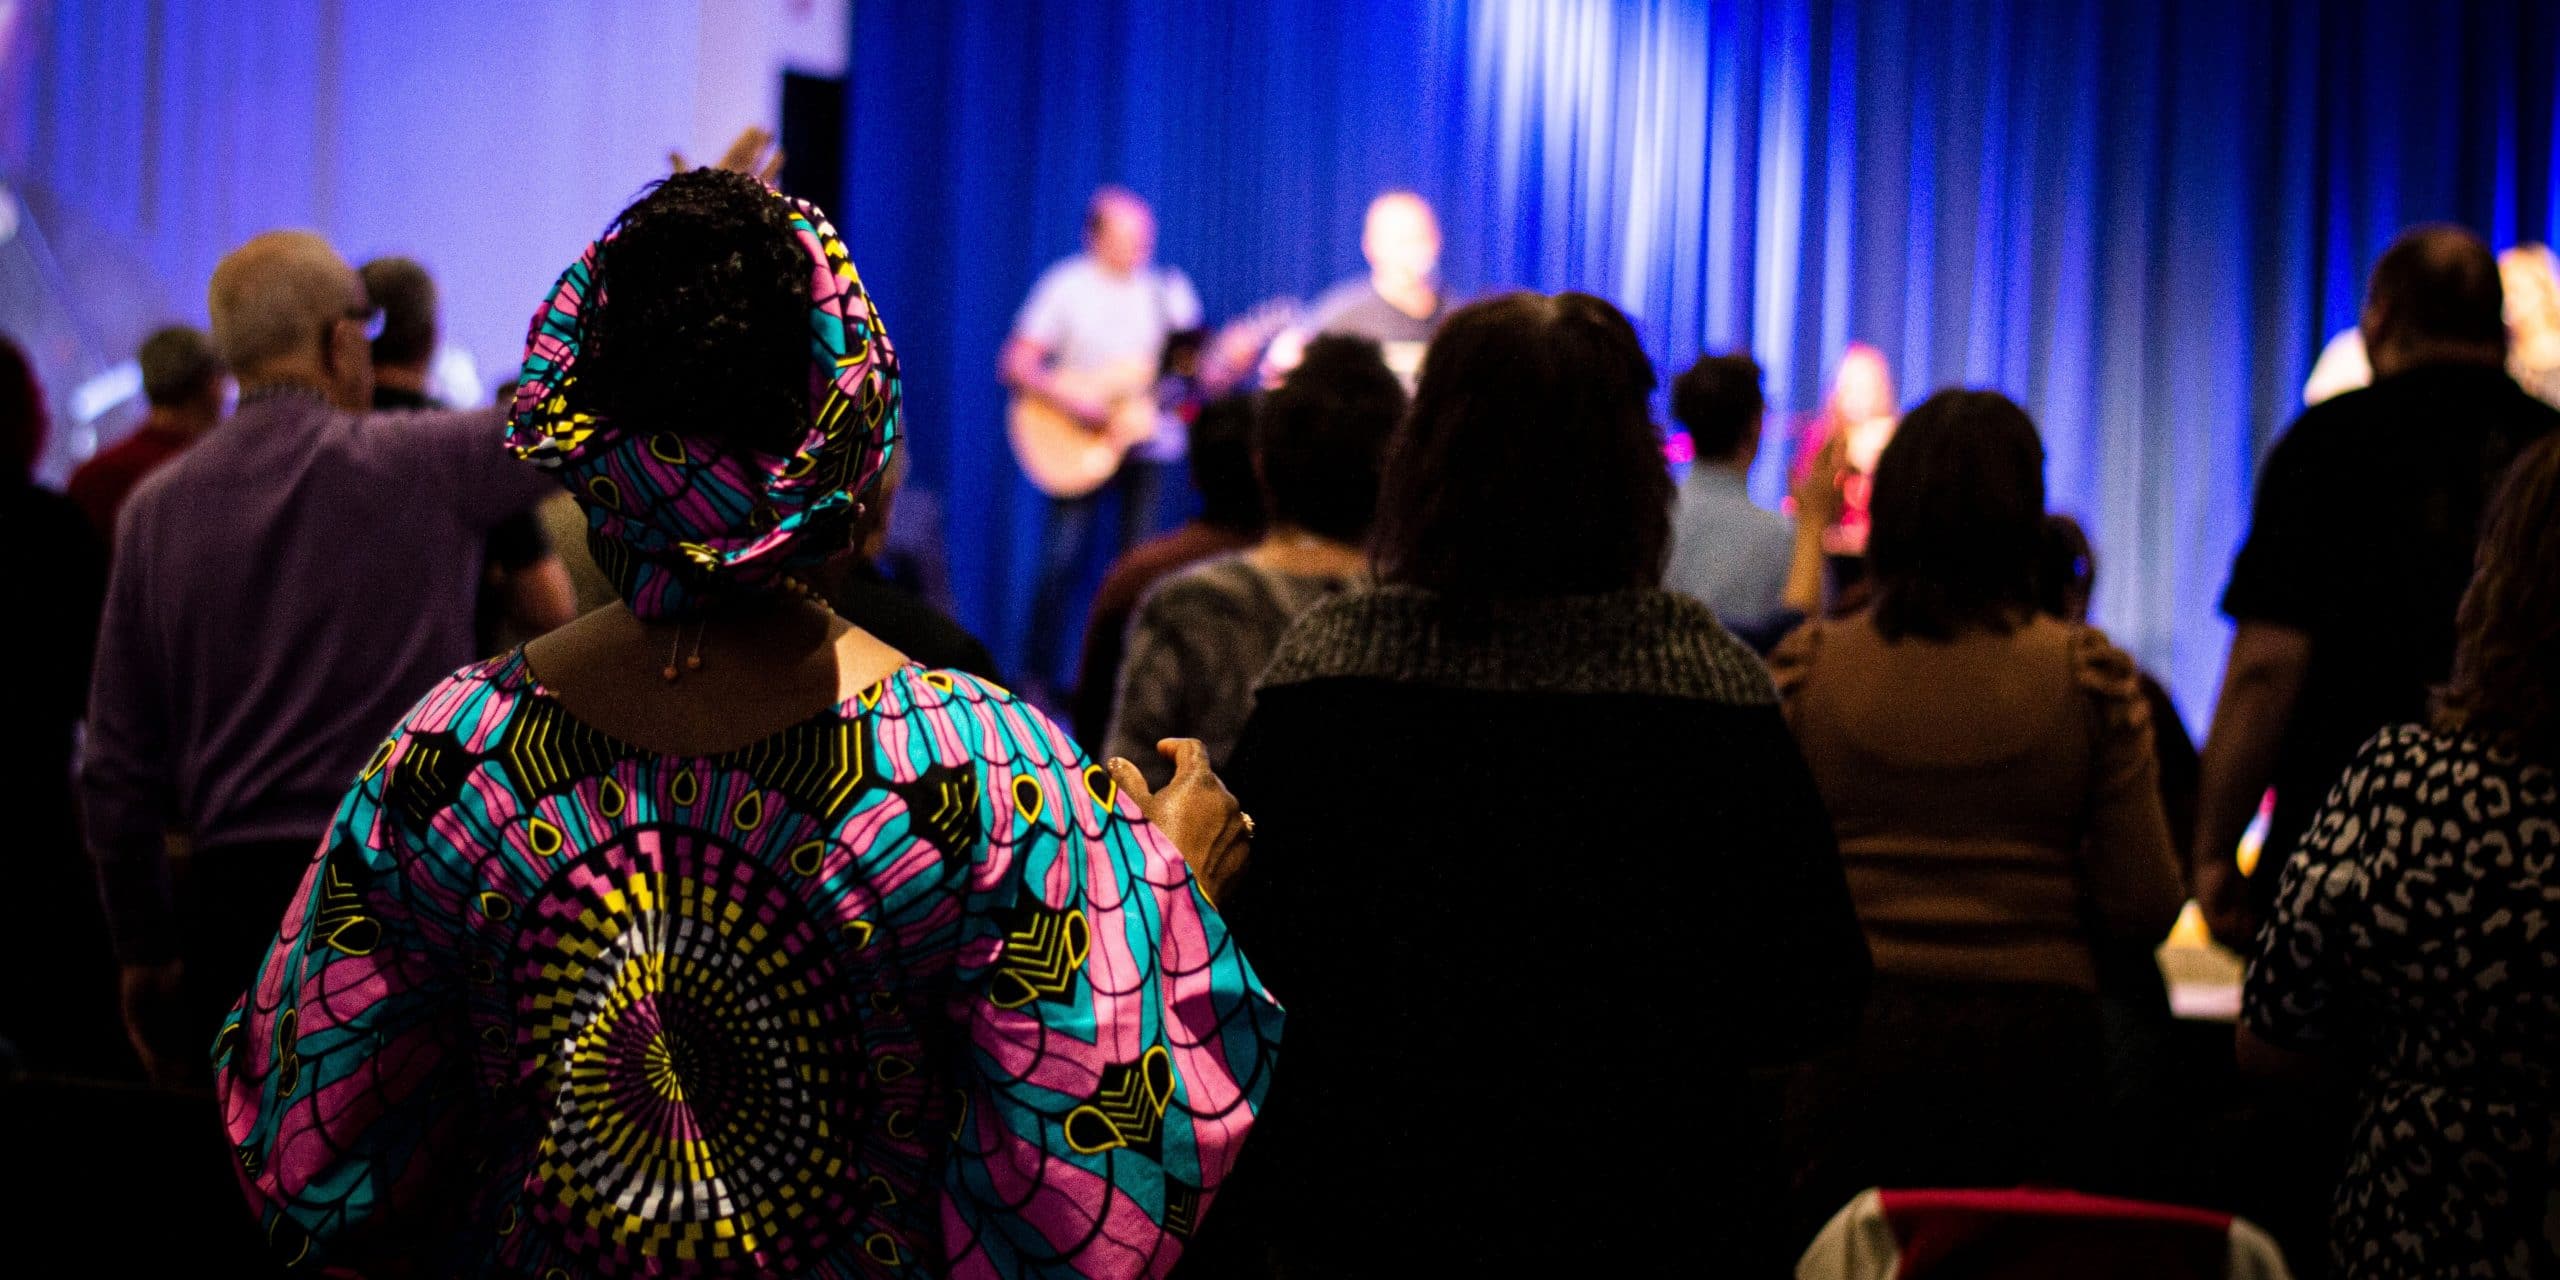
x: 1399, y: 304
x: 864, y: 596
x: 2358, y: 552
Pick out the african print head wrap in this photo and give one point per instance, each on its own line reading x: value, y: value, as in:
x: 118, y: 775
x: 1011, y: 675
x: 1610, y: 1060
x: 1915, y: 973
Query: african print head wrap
x: 676, y: 520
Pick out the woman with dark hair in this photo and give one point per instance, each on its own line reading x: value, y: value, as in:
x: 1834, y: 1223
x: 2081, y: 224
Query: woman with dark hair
x: 57, y: 568
x: 1539, y: 872
x: 2411, y: 943
x: 1989, y: 772
x: 1202, y: 637
x: 709, y: 935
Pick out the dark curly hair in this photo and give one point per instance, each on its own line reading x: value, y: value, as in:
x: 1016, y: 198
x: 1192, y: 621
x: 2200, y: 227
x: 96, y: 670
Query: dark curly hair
x: 1529, y: 464
x: 1319, y: 438
x: 701, y: 320
x: 2506, y: 653
x: 1957, y: 518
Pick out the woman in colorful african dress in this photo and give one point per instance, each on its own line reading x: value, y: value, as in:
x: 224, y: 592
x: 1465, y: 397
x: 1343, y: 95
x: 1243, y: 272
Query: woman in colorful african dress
x: 707, y: 935
x: 2412, y: 945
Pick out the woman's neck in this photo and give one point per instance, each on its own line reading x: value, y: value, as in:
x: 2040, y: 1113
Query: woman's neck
x: 762, y: 666
x: 1289, y: 549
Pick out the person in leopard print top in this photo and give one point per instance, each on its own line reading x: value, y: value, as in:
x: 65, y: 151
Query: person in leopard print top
x: 2416, y: 939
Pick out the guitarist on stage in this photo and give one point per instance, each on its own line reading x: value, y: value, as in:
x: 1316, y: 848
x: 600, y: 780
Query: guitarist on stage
x: 1109, y: 308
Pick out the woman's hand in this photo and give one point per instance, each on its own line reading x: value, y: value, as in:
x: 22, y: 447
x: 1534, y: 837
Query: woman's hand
x: 752, y: 153
x: 1819, y: 502
x: 1196, y: 811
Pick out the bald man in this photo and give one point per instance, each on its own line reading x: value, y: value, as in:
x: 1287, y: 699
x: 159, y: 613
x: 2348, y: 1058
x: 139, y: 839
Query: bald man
x: 2367, y: 520
x: 282, y: 593
x: 1398, y: 305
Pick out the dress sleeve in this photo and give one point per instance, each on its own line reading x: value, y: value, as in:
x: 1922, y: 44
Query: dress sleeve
x: 1119, y: 1045
x: 2299, y: 980
x: 2131, y: 868
x: 339, y: 1073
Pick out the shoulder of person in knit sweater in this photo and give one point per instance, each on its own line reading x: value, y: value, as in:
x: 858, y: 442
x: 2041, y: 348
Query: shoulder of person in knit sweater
x: 1641, y: 642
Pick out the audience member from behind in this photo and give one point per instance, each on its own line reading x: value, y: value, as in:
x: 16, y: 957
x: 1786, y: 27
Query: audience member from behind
x: 710, y: 908
x: 1730, y: 555
x: 2410, y: 947
x: 2529, y: 275
x: 2360, y: 546
x: 1538, y: 867
x: 862, y: 595
x: 184, y: 383
x: 1203, y: 636
x: 527, y: 591
x: 2149, y: 1127
x: 281, y: 593
x: 1989, y: 772
x: 61, y: 983
x: 1230, y: 519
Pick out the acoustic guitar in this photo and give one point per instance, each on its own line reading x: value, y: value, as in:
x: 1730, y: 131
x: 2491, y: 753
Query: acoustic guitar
x: 1064, y: 458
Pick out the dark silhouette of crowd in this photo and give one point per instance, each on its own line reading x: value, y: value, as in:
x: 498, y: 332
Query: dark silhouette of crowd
x: 1475, y: 851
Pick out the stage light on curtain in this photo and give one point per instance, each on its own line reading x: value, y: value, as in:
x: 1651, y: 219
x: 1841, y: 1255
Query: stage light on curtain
x: 2139, y: 218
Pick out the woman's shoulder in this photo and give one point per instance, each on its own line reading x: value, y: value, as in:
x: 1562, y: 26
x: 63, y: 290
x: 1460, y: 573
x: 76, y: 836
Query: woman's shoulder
x: 474, y: 696
x: 2105, y: 677
x: 990, y: 721
x: 1643, y: 642
x: 2423, y: 764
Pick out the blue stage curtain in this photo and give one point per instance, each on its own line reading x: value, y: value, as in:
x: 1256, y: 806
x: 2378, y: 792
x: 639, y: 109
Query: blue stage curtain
x: 2139, y: 217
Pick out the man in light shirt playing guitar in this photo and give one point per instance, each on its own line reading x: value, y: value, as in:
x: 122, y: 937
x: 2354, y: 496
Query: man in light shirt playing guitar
x: 1085, y: 362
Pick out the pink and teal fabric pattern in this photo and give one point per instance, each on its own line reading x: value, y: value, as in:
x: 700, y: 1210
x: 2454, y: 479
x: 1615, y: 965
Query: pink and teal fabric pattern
x: 673, y: 519
x: 905, y: 990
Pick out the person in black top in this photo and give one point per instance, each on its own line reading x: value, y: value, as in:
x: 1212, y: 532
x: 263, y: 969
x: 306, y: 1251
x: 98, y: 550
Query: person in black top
x: 57, y: 1011
x: 2367, y: 517
x: 1538, y: 868
x: 864, y: 596
x: 1400, y: 303
x: 527, y: 591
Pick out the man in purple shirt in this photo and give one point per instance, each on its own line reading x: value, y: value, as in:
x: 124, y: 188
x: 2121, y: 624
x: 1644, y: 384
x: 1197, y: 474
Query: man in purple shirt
x: 281, y: 595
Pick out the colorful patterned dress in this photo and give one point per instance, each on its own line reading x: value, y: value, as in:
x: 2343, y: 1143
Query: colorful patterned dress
x: 904, y: 989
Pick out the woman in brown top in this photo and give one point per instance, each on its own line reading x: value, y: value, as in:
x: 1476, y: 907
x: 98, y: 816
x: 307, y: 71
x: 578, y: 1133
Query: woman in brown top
x: 1989, y: 773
